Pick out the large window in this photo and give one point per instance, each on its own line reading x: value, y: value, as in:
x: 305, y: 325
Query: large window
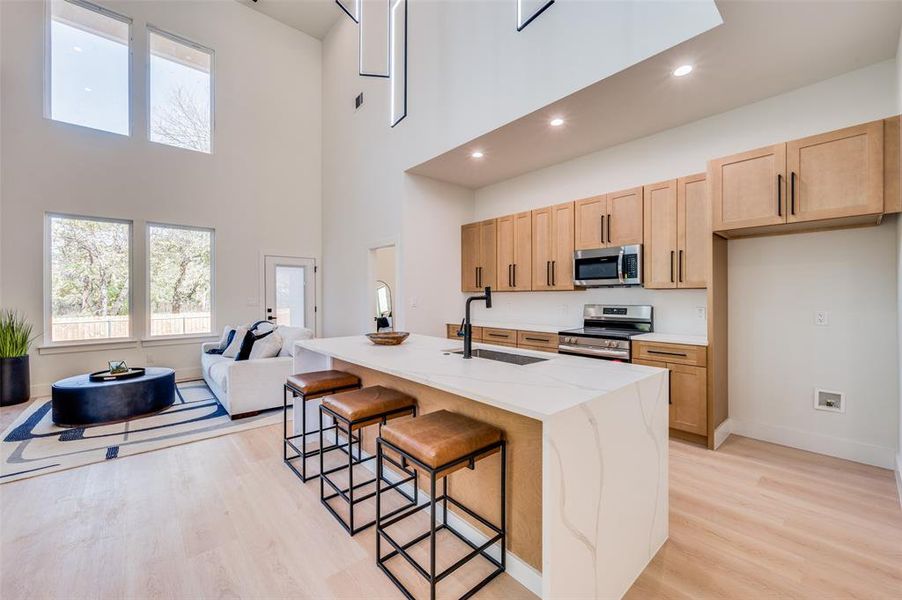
x: 180, y: 264
x: 89, y: 278
x: 89, y: 56
x: 180, y: 92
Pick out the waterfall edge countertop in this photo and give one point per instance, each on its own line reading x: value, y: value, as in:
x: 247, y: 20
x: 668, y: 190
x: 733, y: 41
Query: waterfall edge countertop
x: 538, y: 390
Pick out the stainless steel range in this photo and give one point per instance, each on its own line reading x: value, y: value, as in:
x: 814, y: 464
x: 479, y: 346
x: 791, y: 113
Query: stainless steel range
x: 606, y: 331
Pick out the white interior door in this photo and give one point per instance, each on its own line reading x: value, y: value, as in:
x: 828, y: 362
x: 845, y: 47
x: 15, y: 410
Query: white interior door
x: 290, y: 291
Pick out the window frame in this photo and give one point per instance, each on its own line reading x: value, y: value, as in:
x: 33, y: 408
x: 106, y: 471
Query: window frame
x: 48, y: 281
x: 150, y: 28
x: 148, y: 311
x: 48, y: 62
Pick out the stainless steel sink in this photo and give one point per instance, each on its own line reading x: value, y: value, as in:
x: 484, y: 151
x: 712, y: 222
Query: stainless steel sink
x: 514, y: 359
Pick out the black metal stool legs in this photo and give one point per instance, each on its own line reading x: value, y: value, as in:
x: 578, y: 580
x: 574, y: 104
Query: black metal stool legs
x: 291, y: 453
x: 383, y: 522
x: 347, y: 494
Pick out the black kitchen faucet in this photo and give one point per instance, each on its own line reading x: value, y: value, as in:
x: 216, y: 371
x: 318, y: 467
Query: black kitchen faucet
x: 466, y: 327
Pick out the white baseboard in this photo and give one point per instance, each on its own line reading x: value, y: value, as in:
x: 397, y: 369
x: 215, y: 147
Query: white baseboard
x: 516, y: 567
x: 868, y: 454
x: 39, y: 390
x: 722, y: 432
x: 898, y: 472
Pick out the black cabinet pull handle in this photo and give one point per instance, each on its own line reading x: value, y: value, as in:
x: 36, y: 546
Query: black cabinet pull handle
x: 779, y: 194
x: 792, y: 193
x: 499, y: 335
x: 548, y: 273
x: 534, y: 339
x: 602, y: 229
x: 680, y: 270
x: 610, y: 218
x: 671, y: 266
x: 553, y: 278
x: 666, y: 353
x: 515, y: 273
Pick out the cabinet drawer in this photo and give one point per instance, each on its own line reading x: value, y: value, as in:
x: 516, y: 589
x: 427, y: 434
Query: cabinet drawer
x: 535, y: 339
x: 682, y: 354
x: 452, y: 329
x: 499, y: 336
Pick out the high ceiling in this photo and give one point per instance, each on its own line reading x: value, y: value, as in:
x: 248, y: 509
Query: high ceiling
x: 762, y: 49
x: 313, y: 17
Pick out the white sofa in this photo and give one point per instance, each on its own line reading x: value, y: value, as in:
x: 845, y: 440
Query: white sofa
x: 249, y: 386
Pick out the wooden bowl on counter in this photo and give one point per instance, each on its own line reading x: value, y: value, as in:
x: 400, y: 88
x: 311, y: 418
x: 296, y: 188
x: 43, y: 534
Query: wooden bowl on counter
x: 388, y: 338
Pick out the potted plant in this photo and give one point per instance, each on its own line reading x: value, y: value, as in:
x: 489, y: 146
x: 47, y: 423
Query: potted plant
x: 15, y: 378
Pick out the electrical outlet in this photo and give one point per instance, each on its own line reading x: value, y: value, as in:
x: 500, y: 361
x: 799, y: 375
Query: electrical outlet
x: 701, y: 312
x: 822, y: 318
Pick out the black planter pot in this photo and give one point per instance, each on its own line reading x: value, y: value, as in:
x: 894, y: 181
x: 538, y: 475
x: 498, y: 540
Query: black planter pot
x: 15, y: 380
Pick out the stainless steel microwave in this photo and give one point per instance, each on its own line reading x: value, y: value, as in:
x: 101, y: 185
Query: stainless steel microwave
x: 608, y: 267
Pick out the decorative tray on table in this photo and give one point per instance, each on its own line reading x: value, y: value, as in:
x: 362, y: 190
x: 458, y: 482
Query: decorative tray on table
x: 388, y: 338
x: 109, y: 376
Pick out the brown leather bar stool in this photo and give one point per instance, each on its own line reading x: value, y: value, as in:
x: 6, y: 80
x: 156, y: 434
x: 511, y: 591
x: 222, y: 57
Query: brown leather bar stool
x: 309, y: 386
x: 352, y: 411
x: 440, y: 443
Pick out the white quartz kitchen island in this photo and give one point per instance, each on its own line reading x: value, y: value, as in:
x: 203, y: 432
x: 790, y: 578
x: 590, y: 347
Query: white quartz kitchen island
x: 603, y: 429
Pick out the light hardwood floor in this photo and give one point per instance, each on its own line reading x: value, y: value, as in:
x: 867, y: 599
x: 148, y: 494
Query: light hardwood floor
x: 224, y: 517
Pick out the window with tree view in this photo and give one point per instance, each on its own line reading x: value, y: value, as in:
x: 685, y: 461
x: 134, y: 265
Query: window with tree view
x: 180, y: 92
x: 181, y: 280
x: 89, y: 278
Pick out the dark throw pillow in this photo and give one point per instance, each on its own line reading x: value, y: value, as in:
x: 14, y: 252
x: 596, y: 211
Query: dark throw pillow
x: 247, y: 344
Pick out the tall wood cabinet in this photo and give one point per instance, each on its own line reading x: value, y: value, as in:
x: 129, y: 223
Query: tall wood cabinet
x: 613, y: 219
x: 552, y: 247
x: 478, y: 255
x: 833, y: 175
x: 514, y: 270
x: 661, y: 235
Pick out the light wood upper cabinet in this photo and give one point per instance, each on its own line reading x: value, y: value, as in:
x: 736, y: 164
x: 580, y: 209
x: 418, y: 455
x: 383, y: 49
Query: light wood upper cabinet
x: 836, y: 174
x: 514, y: 270
x: 478, y: 255
x: 661, y: 235
x: 748, y: 189
x: 469, y: 257
x: 552, y: 247
x: 613, y: 219
x: 624, y: 223
x: 693, y: 237
x: 590, y: 222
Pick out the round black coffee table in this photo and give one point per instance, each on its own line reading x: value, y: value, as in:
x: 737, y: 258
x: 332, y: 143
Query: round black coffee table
x: 79, y: 401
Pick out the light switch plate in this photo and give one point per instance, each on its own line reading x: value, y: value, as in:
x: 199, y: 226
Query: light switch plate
x: 822, y: 318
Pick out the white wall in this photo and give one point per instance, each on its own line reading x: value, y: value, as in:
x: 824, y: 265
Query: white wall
x: 260, y: 189
x: 469, y: 72
x: 899, y: 282
x: 772, y: 375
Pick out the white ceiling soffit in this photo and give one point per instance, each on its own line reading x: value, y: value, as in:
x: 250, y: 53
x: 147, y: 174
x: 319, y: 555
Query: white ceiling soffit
x: 313, y: 17
x: 762, y: 49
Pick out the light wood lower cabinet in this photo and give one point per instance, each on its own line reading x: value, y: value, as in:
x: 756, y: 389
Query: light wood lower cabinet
x: 688, y: 382
x: 512, y: 338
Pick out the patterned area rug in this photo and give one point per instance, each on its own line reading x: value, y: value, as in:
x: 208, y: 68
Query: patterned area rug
x: 33, y: 445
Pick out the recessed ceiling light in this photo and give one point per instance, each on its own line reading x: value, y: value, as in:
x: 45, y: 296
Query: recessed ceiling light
x: 556, y: 122
x: 682, y: 70
x: 477, y: 154
x: 76, y: 48
x: 87, y: 89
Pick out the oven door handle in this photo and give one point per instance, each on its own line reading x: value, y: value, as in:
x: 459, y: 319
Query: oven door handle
x: 620, y: 266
